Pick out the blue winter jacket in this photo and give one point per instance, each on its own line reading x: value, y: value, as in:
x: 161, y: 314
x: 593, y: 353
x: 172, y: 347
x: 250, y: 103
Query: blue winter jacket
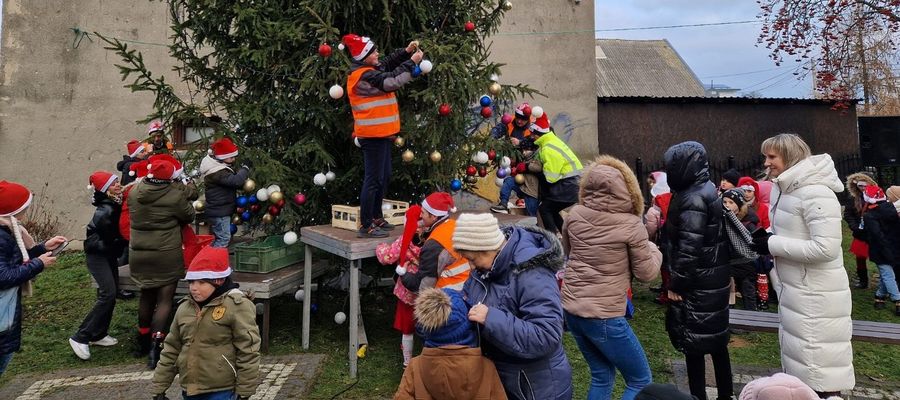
x: 523, y: 331
x: 12, y: 274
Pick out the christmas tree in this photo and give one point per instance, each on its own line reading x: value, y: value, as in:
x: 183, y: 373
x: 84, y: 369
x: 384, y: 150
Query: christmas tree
x: 265, y: 68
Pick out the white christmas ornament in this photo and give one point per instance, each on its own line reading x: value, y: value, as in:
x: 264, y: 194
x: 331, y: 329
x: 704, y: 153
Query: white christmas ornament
x: 482, y: 157
x: 290, y: 238
x: 298, y: 295
x: 426, y: 66
x: 499, y: 182
x: 273, y: 189
x: 356, y: 142
x: 336, y: 92
x: 475, y: 158
x: 340, y: 317
x: 505, y: 162
x: 495, y: 77
x: 400, y: 270
x: 320, y: 179
x: 537, y: 111
x: 329, y: 176
x: 262, y: 195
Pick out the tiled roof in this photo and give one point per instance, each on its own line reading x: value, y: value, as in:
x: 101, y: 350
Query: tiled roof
x: 643, y: 68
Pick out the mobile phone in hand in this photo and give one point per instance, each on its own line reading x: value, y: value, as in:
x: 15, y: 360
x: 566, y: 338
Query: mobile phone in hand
x: 59, y: 249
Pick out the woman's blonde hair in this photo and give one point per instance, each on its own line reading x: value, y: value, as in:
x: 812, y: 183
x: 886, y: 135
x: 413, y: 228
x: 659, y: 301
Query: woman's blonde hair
x: 789, y: 146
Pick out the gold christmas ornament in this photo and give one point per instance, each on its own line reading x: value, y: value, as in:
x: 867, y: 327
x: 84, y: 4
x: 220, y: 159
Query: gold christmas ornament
x: 237, y: 220
x: 520, y: 179
x: 199, y: 205
x: 408, y: 156
x: 507, y: 5
x: 249, y: 185
x: 435, y: 156
x: 399, y: 141
x: 495, y: 88
x: 275, y: 197
x: 267, y: 218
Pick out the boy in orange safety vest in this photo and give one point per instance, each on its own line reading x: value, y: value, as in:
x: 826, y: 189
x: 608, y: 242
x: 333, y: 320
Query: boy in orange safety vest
x: 439, y: 265
x: 376, y: 119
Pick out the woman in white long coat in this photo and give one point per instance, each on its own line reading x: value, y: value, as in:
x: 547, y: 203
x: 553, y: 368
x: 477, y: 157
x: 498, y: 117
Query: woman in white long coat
x: 809, y: 276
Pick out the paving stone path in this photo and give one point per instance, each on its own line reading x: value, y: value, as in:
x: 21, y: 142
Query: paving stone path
x: 281, y: 377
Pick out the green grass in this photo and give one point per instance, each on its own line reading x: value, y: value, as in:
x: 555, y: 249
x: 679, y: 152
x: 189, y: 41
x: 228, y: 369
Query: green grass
x: 63, y: 296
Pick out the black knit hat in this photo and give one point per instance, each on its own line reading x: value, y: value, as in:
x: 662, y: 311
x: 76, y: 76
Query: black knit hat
x: 732, y: 176
x: 659, y: 391
x: 736, y: 195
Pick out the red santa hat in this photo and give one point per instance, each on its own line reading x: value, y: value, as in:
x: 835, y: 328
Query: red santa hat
x: 168, y: 157
x: 134, y: 147
x: 14, y: 198
x: 161, y: 170
x: 541, y: 125
x: 138, y: 169
x: 360, y: 46
x: 523, y: 111
x: 223, y: 148
x: 209, y: 263
x: 873, y: 194
x: 439, y: 204
x: 155, y: 126
x: 101, y: 181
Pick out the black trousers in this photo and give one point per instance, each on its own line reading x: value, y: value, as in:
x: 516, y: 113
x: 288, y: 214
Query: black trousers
x: 549, y: 210
x: 696, y: 370
x: 105, y: 270
x: 377, y: 167
x: 745, y: 283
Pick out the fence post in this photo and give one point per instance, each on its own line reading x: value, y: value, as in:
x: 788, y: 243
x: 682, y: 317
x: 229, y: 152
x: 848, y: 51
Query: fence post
x: 639, y: 171
x: 730, y: 162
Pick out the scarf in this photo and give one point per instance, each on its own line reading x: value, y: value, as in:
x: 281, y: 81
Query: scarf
x: 24, y: 242
x: 220, y: 290
x: 739, y: 236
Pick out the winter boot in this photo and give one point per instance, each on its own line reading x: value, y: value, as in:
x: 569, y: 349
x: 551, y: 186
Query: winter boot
x: 897, y: 308
x: 155, y: 349
x: 500, y: 208
x: 879, y: 303
x: 862, y: 276
x: 141, y: 345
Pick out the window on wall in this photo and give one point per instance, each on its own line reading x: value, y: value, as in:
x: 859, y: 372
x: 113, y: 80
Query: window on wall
x: 188, y: 133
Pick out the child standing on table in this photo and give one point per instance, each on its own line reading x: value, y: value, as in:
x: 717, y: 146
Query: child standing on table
x: 222, y: 182
x: 405, y: 253
x: 213, y: 344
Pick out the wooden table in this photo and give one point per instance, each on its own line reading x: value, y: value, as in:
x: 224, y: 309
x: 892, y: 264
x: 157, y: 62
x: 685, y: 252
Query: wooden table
x: 263, y: 287
x: 344, y: 243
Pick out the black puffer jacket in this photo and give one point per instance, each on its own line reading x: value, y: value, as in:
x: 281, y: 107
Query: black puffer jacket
x: 124, y: 167
x: 698, y: 254
x: 883, y: 231
x: 103, y: 235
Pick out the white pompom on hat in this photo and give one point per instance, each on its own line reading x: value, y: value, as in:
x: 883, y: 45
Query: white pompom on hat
x: 477, y: 232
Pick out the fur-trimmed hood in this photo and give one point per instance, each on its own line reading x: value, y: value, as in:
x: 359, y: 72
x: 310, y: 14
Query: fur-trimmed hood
x: 608, y: 185
x: 528, y: 247
x: 852, y: 179
x: 433, y: 308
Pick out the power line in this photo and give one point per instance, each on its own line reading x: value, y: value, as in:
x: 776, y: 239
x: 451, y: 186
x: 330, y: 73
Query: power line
x: 754, y: 21
x: 745, y: 73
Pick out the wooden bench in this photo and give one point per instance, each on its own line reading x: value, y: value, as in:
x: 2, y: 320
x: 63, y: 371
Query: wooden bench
x: 262, y: 287
x: 866, y: 331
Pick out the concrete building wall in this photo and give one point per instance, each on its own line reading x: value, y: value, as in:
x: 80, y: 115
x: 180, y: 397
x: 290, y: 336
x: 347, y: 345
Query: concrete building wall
x: 63, y: 110
x: 559, y: 65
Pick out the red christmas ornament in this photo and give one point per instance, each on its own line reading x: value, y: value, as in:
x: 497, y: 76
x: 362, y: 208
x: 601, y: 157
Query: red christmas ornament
x: 254, y: 208
x: 520, y: 168
x: 325, y: 50
x: 239, y: 210
x: 280, y: 203
x: 471, y: 171
x: 299, y: 199
x: 492, y: 154
x: 444, y: 110
x: 486, y: 112
x: 274, y: 210
x: 482, y: 172
x: 513, y: 172
x: 470, y: 26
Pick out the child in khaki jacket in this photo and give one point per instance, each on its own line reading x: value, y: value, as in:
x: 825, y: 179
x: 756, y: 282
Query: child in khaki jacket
x: 214, y: 341
x: 451, y: 365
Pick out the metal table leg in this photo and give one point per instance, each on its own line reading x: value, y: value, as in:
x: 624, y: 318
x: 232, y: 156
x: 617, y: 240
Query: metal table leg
x: 266, y: 317
x: 354, y: 314
x: 307, y: 292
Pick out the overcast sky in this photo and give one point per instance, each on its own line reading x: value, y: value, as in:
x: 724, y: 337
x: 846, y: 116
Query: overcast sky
x: 711, y: 51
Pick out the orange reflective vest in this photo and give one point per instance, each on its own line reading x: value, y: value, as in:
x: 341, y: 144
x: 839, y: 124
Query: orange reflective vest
x: 510, y: 127
x: 373, y: 116
x: 453, y: 276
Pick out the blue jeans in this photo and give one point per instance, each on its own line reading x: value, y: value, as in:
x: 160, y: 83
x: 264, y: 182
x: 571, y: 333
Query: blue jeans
x: 221, y: 229
x: 377, y: 176
x: 223, y: 395
x: 509, y: 186
x: 4, y: 361
x: 607, y: 345
x: 887, y: 283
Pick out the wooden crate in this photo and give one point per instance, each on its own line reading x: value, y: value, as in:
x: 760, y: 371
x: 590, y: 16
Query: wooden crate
x: 347, y: 217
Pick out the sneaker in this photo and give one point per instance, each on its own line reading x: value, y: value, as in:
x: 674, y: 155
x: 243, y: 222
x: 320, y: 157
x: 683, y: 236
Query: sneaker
x: 383, y: 224
x: 500, y: 209
x: 124, y: 295
x: 371, y: 232
x: 106, y: 341
x: 81, y: 350
x: 879, y: 304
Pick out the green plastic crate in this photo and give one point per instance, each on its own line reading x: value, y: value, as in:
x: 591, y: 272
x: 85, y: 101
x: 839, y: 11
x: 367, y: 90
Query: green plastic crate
x: 270, y: 254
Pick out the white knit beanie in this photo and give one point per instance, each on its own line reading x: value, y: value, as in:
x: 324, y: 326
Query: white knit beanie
x: 477, y: 232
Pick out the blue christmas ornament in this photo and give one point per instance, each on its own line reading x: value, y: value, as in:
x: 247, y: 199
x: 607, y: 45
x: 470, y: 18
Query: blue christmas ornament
x: 416, y: 71
x: 241, y: 201
x: 246, y: 215
x: 485, y: 101
x: 233, y: 229
x: 455, y: 185
x: 252, y: 199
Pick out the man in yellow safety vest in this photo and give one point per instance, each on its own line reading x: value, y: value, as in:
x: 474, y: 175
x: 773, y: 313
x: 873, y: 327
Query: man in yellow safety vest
x: 562, y: 173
